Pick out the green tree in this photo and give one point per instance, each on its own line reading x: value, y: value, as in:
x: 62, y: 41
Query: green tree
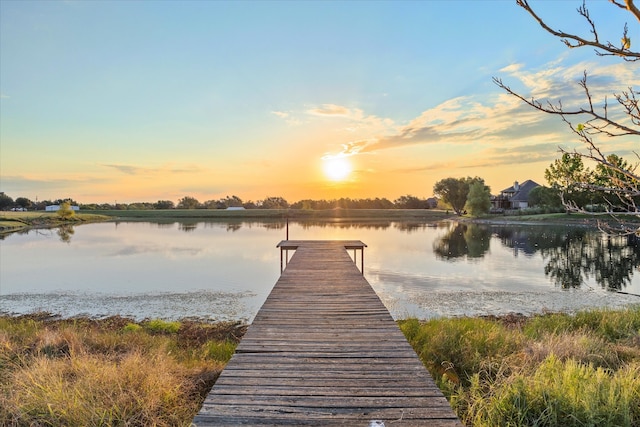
x: 188, y: 202
x: 545, y: 197
x: 607, y: 180
x: 478, y: 199
x: 65, y: 210
x: 6, y: 202
x: 593, y: 119
x: 24, y: 203
x: 565, y: 175
x: 163, y: 204
x: 454, y: 191
x: 410, y: 202
x: 273, y: 203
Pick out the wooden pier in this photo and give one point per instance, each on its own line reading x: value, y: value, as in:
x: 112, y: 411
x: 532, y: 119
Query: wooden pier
x: 324, y: 350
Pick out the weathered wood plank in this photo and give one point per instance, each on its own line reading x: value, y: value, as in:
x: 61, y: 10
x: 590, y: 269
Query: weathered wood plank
x: 323, y: 350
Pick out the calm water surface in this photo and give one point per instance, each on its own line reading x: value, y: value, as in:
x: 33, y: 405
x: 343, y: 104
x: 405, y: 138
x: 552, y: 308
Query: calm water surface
x: 225, y: 270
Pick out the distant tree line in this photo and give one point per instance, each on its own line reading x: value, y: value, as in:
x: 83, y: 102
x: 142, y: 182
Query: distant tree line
x: 23, y: 203
x: 189, y: 202
x: 468, y: 195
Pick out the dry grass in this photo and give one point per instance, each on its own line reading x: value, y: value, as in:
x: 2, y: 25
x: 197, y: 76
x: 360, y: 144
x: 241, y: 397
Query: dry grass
x: 83, y: 372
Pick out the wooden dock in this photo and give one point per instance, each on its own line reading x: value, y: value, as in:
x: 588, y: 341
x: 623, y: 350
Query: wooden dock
x: 324, y: 350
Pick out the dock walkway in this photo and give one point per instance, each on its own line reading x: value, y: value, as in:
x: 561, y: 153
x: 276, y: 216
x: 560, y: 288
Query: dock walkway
x: 324, y: 350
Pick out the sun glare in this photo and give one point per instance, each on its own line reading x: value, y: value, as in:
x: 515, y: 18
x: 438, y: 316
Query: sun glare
x: 337, y: 168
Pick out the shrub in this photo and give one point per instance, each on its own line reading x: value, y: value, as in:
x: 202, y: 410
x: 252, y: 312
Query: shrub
x: 161, y: 326
x: 132, y: 327
x: 65, y: 210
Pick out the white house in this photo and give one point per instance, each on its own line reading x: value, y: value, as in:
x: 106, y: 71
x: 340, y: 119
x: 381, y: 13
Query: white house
x: 53, y: 208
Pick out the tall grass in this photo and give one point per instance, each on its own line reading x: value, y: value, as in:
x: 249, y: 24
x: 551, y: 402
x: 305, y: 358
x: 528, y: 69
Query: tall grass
x: 551, y: 370
x: 556, y: 393
x: 81, y: 372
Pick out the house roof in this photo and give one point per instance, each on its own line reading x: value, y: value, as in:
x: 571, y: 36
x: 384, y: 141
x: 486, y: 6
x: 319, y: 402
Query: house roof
x: 522, y: 195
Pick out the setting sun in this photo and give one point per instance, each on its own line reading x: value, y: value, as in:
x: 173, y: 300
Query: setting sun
x: 337, y: 168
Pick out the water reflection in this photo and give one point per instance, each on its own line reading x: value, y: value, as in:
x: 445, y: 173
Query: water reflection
x: 345, y: 224
x: 446, y: 268
x: 463, y: 241
x: 187, y: 226
x: 65, y: 232
x: 572, y: 255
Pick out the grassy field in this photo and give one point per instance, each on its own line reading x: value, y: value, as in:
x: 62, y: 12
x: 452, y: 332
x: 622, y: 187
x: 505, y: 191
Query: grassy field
x: 177, y: 214
x: 549, y: 370
x: 16, y: 221
x: 563, y: 218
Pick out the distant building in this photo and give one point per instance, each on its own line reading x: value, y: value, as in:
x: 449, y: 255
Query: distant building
x: 514, y: 197
x: 54, y: 208
x: 235, y: 208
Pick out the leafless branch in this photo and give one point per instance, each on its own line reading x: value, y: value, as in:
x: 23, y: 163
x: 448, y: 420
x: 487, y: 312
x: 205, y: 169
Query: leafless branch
x: 602, y: 48
x: 596, y: 122
x: 620, y: 182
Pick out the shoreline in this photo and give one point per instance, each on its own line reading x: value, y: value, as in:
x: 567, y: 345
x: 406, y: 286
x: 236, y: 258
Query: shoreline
x: 12, y: 222
x: 438, y: 305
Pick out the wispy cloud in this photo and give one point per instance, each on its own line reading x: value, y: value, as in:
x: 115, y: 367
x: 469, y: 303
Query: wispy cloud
x: 357, y: 120
x: 16, y: 185
x: 495, y: 157
x: 499, y: 119
x: 139, y: 170
x: 3, y: 96
x: 330, y: 110
x: 287, y: 117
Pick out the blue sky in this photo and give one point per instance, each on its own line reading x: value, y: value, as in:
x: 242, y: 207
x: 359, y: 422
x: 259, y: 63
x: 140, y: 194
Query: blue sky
x: 149, y: 100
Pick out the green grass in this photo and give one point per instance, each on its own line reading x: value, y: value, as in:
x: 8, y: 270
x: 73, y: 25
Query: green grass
x: 550, y: 370
x: 161, y: 326
x: 16, y: 221
x: 176, y: 214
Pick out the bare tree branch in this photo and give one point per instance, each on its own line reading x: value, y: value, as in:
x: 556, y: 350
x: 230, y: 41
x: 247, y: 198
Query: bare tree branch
x: 620, y: 185
x: 596, y: 122
x: 628, y: 5
x: 573, y: 40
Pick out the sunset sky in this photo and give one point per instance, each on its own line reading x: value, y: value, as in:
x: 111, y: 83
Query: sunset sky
x: 142, y: 101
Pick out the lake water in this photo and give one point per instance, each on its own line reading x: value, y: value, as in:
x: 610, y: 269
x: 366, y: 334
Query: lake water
x: 224, y: 270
